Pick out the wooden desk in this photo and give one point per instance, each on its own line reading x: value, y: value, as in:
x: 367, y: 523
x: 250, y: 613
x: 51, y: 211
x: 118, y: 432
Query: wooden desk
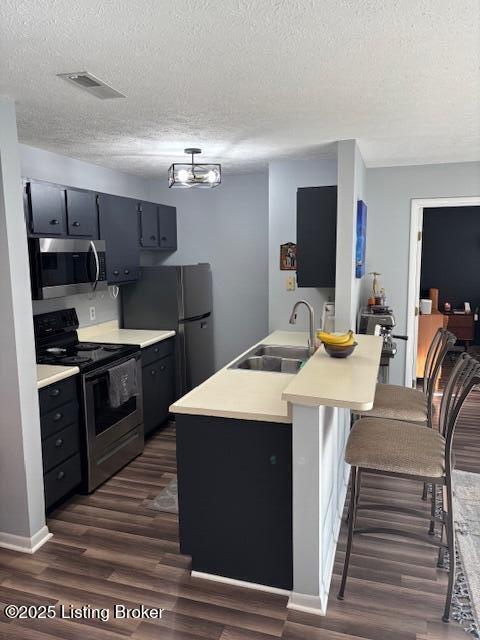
x: 462, y: 325
x: 428, y: 325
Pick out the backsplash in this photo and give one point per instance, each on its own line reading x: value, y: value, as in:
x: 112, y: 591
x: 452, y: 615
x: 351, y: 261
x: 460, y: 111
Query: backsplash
x: 106, y: 307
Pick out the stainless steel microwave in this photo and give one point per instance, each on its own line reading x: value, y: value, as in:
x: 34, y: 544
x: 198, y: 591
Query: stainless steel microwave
x: 64, y: 266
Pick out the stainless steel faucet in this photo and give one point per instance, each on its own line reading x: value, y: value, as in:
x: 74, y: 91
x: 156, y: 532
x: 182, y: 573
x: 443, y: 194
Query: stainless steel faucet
x: 293, y: 319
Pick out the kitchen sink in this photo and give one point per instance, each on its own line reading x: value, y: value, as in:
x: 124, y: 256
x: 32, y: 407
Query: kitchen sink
x: 273, y: 358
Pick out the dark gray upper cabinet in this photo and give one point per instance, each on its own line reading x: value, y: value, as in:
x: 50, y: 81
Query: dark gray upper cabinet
x: 45, y: 209
x: 55, y: 210
x: 316, y: 236
x: 149, y: 236
x: 82, y: 218
x: 118, y: 222
x: 158, y: 226
x: 167, y: 218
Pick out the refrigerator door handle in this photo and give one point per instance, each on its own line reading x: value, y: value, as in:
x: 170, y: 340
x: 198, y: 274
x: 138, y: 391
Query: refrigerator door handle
x: 195, y: 318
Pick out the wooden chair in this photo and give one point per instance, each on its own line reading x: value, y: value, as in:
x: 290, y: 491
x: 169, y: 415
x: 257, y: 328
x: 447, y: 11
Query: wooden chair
x: 404, y: 450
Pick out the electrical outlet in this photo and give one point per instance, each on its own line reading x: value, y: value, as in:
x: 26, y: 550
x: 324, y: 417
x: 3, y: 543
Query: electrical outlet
x: 290, y: 283
x: 92, y: 313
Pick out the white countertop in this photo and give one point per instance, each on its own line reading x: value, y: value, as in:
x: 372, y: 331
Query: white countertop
x: 260, y: 395
x: 48, y: 374
x: 109, y: 333
x: 339, y: 382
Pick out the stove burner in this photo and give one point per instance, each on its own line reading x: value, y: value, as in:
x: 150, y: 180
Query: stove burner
x: 56, y: 351
x: 87, y: 346
x: 74, y: 359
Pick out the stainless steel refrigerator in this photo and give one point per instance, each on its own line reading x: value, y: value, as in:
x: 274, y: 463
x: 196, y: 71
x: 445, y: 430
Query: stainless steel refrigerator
x: 178, y: 298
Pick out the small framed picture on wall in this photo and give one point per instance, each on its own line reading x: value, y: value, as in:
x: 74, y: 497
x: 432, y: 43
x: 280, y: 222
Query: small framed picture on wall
x: 288, y: 256
x: 361, y: 239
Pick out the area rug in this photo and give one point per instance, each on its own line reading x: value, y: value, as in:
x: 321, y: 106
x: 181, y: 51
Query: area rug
x: 167, y: 499
x: 466, y: 598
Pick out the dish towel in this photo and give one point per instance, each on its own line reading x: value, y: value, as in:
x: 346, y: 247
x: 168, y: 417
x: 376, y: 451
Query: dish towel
x: 122, y: 383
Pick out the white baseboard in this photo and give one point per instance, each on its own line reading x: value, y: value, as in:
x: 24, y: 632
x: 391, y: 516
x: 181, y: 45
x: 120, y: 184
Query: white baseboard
x: 240, y: 583
x: 24, y: 544
x: 307, y: 604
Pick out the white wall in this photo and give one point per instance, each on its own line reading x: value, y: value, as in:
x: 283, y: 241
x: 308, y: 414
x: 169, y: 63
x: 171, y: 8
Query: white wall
x: 389, y: 192
x: 53, y: 167
x: 22, y: 514
x: 285, y: 177
x: 351, y: 188
x: 226, y: 226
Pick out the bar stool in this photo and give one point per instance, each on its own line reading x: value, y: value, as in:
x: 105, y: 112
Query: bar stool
x: 404, y: 450
x: 395, y: 402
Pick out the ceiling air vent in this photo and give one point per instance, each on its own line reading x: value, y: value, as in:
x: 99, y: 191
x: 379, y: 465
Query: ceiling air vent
x: 88, y: 82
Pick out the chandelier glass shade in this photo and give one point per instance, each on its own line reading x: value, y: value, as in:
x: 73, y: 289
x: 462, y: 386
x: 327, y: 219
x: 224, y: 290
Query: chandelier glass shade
x: 182, y: 175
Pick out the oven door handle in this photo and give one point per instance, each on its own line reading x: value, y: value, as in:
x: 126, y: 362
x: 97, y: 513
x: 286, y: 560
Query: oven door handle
x: 97, y: 264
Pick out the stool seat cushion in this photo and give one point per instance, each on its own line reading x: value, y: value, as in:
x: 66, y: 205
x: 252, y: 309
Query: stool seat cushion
x: 395, y: 402
x: 396, y: 447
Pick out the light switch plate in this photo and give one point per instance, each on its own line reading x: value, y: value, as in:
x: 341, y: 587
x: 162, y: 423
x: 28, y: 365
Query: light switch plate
x: 291, y: 283
x: 92, y: 313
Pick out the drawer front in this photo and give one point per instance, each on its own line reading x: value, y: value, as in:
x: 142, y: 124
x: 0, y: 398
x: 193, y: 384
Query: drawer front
x: 60, y: 447
x: 460, y: 321
x: 157, y: 351
x: 57, y: 394
x: 62, y: 479
x: 58, y: 419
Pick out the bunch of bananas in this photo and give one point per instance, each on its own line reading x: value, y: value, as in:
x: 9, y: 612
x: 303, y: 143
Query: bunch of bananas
x: 335, y: 340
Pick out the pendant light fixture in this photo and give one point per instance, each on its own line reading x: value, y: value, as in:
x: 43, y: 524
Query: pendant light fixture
x: 194, y: 174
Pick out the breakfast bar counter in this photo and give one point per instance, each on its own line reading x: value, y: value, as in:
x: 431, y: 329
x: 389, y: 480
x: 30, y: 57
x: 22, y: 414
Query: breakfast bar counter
x: 261, y: 473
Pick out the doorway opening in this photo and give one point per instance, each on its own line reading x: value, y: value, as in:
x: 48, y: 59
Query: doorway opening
x: 435, y: 216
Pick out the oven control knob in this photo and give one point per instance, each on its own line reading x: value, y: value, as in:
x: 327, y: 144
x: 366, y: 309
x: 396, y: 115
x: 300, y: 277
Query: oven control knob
x: 59, y: 442
x: 126, y: 271
x: 61, y: 475
x: 116, y: 272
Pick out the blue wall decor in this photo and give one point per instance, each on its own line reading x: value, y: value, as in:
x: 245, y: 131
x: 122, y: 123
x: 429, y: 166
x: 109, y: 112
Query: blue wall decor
x: 361, y: 239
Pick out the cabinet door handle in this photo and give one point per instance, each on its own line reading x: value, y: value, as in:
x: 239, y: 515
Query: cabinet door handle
x: 156, y: 349
x: 54, y: 393
x: 61, y: 475
x: 54, y: 221
x: 153, y: 372
x: 153, y: 237
x: 163, y: 238
x: 59, y: 442
x: 116, y: 272
x: 76, y: 224
x: 58, y: 416
x: 162, y: 367
x: 126, y: 271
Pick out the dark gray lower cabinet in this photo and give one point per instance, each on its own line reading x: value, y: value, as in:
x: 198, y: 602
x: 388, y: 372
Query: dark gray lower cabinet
x: 235, y: 498
x: 59, y: 424
x: 158, y: 384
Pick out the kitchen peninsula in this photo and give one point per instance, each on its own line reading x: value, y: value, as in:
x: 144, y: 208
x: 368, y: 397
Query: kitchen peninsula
x: 261, y: 472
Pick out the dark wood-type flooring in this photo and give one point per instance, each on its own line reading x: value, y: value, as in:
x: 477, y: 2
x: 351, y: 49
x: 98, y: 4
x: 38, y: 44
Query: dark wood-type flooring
x: 110, y: 548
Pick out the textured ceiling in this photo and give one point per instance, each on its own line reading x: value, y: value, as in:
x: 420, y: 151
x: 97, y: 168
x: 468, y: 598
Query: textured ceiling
x: 247, y: 80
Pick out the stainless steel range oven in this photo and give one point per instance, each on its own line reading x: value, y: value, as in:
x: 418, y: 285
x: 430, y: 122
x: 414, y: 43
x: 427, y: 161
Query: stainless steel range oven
x: 112, y: 432
x: 114, y: 435
x: 64, y: 266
